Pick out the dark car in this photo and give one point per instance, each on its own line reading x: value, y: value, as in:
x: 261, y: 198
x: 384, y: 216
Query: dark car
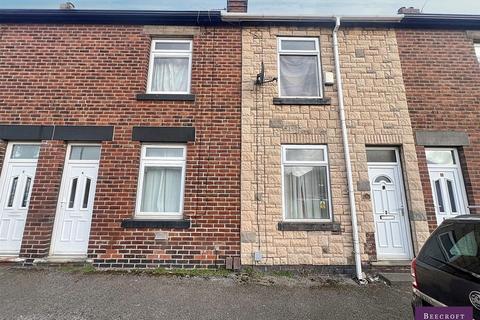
x: 447, y: 269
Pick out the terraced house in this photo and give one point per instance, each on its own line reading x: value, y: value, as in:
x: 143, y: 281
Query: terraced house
x: 335, y: 115
x: 441, y: 71
x: 120, y: 137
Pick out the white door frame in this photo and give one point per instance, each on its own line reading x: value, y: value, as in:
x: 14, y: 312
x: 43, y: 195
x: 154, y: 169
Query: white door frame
x: 456, y: 166
x: 403, y: 198
x: 63, y: 186
x: 3, y: 176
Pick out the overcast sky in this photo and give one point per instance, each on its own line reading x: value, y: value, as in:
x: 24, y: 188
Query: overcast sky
x: 320, y: 7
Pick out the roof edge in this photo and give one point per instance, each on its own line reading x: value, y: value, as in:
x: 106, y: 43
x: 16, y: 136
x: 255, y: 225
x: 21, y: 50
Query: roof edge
x: 445, y: 21
x: 249, y: 17
x: 129, y: 17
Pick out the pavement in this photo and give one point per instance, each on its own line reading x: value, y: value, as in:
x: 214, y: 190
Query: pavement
x: 31, y: 294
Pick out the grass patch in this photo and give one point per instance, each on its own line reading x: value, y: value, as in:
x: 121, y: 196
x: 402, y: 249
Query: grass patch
x: 191, y: 272
x: 205, y: 273
x: 69, y: 268
x: 251, y: 272
x: 88, y: 268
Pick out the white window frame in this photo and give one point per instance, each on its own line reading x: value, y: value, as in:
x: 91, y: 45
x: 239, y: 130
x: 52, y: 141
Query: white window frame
x: 177, y: 162
x: 316, y: 52
x: 323, y: 163
x: 8, y: 159
x: 154, y: 53
x: 476, y: 46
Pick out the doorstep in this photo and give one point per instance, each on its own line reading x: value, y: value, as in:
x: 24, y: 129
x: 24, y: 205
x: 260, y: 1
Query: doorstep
x: 62, y: 260
x: 10, y: 259
x: 391, y: 263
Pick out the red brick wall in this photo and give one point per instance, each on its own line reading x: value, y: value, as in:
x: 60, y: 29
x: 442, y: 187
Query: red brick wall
x: 43, y: 201
x: 442, y: 78
x: 89, y: 75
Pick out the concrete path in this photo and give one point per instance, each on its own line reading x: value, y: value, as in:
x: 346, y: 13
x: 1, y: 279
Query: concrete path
x: 392, y: 277
x: 55, y: 294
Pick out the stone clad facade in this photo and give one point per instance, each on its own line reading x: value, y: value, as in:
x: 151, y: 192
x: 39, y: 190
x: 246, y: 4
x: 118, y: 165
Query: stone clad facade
x: 377, y: 115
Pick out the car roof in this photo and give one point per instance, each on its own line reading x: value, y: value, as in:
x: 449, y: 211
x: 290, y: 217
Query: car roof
x: 465, y: 217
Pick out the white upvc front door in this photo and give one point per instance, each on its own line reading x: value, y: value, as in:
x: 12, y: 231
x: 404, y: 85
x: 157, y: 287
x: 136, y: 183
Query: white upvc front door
x: 448, y: 189
x: 392, y: 232
x: 71, y: 232
x: 16, y: 183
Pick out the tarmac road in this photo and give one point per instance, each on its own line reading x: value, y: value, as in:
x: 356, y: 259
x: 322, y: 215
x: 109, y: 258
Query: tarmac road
x: 55, y: 294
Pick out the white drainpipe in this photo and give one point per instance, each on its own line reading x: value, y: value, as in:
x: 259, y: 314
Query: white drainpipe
x: 346, y: 149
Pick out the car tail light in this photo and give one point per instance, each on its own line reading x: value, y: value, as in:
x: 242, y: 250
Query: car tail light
x: 414, y: 273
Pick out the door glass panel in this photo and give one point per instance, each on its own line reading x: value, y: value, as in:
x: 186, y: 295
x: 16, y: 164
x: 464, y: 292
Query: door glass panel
x: 438, y: 190
x: 85, y: 153
x: 13, y: 189
x: 381, y: 156
x: 26, y: 192
x: 25, y: 151
x: 86, y: 193
x: 451, y: 195
x: 440, y: 157
x: 385, y: 179
x: 73, y: 191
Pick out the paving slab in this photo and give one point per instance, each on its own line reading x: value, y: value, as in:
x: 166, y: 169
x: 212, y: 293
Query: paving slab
x: 392, y: 277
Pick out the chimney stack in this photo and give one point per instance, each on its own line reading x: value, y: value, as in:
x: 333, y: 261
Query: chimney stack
x: 237, y: 5
x: 409, y: 10
x: 67, y: 6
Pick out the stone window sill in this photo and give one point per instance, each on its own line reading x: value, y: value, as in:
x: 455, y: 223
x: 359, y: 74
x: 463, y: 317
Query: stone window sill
x: 165, y: 97
x: 302, y: 101
x: 308, y: 226
x: 152, y: 223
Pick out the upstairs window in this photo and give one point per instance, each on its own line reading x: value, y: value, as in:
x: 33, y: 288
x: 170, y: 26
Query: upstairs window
x: 477, y: 50
x: 170, y: 67
x: 299, y: 67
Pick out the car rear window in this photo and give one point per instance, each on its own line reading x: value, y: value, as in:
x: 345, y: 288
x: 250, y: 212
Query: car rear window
x: 456, y: 244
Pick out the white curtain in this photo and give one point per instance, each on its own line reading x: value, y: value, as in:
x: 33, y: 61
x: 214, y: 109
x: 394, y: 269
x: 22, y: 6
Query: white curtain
x: 161, y: 189
x: 170, y: 74
x: 299, y: 76
x: 306, y: 194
